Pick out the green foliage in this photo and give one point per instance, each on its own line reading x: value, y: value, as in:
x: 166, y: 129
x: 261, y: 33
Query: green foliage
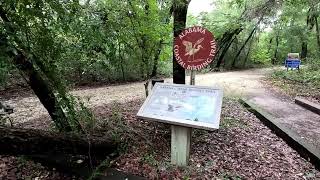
x: 224, y: 17
x: 309, y: 76
x: 127, y: 40
x: 101, y: 41
x: 261, y: 57
x: 165, y: 68
x: 305, y: 82
x: 313, y: 64
x: 117, y: 124
x: 281, y: 27
x: 260, y: 54
x: 77, y: 112
x: 72, y: 42
x: 236, y: 26
x: 4, y: 72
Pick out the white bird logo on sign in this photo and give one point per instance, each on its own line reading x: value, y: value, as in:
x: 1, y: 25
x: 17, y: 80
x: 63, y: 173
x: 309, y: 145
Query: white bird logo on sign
x: 191, y: 50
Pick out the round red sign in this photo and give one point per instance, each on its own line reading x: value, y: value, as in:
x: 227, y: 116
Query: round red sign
x: 195, y: 48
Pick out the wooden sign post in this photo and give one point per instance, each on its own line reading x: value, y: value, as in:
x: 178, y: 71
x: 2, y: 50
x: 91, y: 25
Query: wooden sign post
x: 194, y: 49
x: 186, y: 106
x: 181, y: 139
x: 180, y: 145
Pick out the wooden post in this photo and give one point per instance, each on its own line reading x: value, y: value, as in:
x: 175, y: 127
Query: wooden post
x: 192, y: 77
x: 181, y: 139
x: 180, y: 145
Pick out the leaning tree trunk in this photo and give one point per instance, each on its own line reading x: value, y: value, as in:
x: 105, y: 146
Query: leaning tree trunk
x: 248, y: 53
x: 14, y: 141
x: 180, y: 16
x: 318, y: 32
x: 224, y: 52
x: 243, y: 46
x: 38, y: 83
x: 43, y: 90
x: 225, y: 43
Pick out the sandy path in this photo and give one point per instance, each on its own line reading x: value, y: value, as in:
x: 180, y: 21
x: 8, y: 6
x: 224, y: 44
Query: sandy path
x: 29, y: 112
x: 234, y: 83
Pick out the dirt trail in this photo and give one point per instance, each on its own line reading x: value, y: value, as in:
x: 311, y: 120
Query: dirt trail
x: 29, y: 111
x: 234, y: 83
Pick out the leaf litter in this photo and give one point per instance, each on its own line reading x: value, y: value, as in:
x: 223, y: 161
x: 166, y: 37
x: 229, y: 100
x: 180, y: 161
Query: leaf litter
x: 243, y: 148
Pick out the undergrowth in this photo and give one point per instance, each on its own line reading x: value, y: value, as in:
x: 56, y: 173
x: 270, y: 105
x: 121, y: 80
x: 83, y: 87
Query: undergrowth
x: 305, y: 76
x: 303, y: 82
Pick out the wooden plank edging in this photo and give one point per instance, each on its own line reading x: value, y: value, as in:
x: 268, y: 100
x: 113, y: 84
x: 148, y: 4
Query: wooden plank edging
x: 311, y: 106
x: 306, y: 150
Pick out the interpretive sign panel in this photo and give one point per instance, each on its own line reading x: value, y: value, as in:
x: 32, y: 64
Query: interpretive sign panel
x: 184, y: 105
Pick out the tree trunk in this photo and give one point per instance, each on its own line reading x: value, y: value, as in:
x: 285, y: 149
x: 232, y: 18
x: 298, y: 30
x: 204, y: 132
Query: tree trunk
x: 243, y: 46
x: 248, y: 53
x: 270, y: 45
x: 310, y: 25
x: 304, y: 50
x: 180, y: 8
x: 42, y: 88
x: 224, y: 51
x: 60, y: 151
x: 121, y: 61
x: 318, y: 32
x: 160, y: 46
x: 225, y: 43
x: 39, y: 84
x: 14, y: 141
x: 236, y: 44
x: 304, y: 45
x: 276, y: 49
x: 156, y: 59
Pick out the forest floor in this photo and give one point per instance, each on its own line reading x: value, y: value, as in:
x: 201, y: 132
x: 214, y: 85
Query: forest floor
x: 296, y: 83
x: 242, y: 148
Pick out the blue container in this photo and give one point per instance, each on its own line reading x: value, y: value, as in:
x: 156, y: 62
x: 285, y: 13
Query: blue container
x: 292, y: 63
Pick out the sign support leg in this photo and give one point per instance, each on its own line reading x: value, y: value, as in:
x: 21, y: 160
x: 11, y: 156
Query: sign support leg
x: 180, y: 145
x: 192, y: 77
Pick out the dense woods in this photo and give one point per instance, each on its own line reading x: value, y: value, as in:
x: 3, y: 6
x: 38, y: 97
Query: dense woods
x: 262, y: 32
x: 54, y: 44
x: 52, y: 47
x: 109, y: 41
